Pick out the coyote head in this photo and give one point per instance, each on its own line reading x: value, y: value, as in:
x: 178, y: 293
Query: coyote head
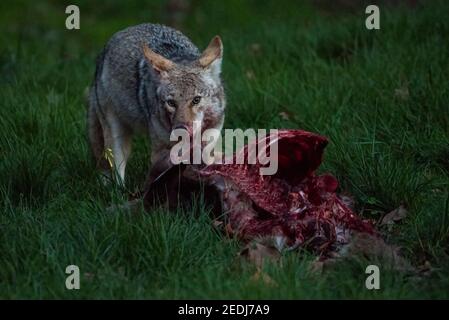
x: 190, y: 91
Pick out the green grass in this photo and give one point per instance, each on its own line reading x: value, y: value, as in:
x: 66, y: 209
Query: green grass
x: 330, y: 74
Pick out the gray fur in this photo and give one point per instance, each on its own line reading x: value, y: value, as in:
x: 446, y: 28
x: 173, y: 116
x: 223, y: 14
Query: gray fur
x: 129, y: 94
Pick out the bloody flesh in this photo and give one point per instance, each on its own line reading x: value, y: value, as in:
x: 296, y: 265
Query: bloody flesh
x: 294, y: 204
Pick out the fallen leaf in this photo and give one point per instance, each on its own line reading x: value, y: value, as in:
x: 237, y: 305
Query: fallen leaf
x: 262, y: 276
x: 319, y: 265
x: 217, y: 224
x: 402, y: 93
x: 284, y: 115
x: 394, y: 216
x: 425, y: 269
x: 250, y: 74
x: 134, y: 207
x: 228, y: 230
x: 277, y: 241
x: 89, y: 275
x: 255, y: 48
x: 258, y: 254
x: 316, y: 266
x: 373, y: 247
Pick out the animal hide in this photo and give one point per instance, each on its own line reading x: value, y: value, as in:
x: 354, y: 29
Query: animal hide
x: 295, y: 206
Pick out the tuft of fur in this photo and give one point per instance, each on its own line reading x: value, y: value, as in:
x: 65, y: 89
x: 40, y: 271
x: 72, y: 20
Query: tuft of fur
x: 146, y: 79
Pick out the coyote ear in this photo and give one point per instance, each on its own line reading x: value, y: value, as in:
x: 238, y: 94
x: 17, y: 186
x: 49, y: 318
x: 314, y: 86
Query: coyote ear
x: 159, y: 63
x: 212, y: 56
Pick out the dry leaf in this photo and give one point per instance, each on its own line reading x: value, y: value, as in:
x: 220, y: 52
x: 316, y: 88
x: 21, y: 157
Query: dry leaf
x: 255, y: 48
x: 402, y: 93
x: 394, y: 216
x: 228, y: 230
x: 284, y: 115
x: 262, y: 276
x: 217, y: 224
x: 425, y: 269
x: 258, y: 253
x: 277, y: 241
x: 134, y: 206
x: 363, y: 244
x: 250, y: 74
x: 89, y: 275
x: 319, y: 265
x: 316, y: 266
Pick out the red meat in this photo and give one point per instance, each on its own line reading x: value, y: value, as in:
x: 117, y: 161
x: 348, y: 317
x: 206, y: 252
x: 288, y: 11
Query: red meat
x: 295, y: 204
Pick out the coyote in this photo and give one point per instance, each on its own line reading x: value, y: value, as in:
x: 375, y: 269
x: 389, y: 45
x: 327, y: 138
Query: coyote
x: 151, y: 78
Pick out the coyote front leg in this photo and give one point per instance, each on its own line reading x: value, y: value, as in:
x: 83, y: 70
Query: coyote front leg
x: 117, y: 138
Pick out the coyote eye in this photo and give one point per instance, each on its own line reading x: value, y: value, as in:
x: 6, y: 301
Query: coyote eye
x: 171, y: 103
x: 196, y: 100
